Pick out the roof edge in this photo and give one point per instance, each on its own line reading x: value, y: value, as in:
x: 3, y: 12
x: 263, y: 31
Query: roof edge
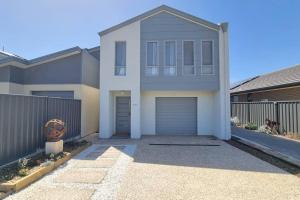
x: 93, y: 48
x: 267, y: 88
x: 45, y: 58
x: 54, y: 55
x: 244, y: 82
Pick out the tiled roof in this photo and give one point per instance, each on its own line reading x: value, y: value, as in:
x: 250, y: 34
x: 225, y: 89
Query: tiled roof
x: 279, y: 78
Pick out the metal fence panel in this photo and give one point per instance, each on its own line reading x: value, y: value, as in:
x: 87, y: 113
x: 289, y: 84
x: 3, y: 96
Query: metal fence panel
x: 22, y: 119
x: 289, y: 117
x: 286, y: 113
x: 68, y: 111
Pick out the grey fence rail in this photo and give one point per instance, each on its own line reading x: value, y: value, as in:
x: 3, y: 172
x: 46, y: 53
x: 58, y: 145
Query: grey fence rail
x: 22, y: 119
x: 286, y: 113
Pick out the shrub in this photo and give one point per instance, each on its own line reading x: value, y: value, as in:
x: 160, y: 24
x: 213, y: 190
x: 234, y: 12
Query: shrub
x: 22, y: 163
x: 251, y: 126
x: 22, y: 167
x: 235, y: 121
x: 52, y: 156
x: 263, y: 129
x: 23, y: 172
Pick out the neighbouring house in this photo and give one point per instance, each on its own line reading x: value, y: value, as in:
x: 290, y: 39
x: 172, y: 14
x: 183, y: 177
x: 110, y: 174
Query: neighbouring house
x: 282, y: 85
x: 164, y: 72
x: 71, y: 73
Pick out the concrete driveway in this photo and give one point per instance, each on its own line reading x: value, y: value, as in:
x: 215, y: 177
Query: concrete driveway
x: 202, y: 172
x: 191, y: 168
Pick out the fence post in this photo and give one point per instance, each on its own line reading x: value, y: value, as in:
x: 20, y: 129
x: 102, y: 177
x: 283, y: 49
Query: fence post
x: 248, y: 113
x: 276, y: 112
x: 277, y: 115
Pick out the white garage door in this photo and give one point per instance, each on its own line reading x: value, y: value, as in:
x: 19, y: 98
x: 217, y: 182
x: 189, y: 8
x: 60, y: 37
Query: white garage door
x: 176, y: 115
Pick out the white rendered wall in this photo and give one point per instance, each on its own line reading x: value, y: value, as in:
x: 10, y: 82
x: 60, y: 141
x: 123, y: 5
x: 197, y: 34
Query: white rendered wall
x: 4, y: 88
x: 205, y: 110
x: 15, y: 88
x: 110, y: 83
x: 11, y: 88
x: 90, y: 109
x: 222, y: 97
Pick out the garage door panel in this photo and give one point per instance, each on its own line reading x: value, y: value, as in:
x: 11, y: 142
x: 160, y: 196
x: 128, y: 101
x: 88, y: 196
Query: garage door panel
x: 176, y: 115
x: 59, y: 94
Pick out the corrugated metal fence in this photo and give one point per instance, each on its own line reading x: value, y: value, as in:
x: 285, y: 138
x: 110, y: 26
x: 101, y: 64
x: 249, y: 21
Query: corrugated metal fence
x: 22, y: 119
x: 286, y: 113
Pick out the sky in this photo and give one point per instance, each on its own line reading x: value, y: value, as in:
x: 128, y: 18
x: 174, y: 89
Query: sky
x: 264, y: 35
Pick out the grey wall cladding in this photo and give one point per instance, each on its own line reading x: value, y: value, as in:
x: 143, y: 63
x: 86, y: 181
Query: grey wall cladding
x: 5, y: 74
x: 11, y: 74
x: 165, y: 26
x: 96, y: 53
x: 62, y: 71
x: 81, y: 68
x: 90, y: 70
x: 22, y: 119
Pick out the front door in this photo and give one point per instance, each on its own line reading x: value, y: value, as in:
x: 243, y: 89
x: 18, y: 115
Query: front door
x: 122, y: 115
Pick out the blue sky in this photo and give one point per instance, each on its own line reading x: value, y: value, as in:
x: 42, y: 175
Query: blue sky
x: 264, y: 34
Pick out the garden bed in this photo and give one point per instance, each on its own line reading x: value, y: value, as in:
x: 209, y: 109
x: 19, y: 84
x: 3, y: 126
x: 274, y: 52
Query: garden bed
x: 19, y: 175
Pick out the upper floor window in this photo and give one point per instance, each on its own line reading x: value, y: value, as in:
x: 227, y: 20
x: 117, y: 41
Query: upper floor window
x: 152, y: 59
x: 188, y: 58
x: 170, y: 58
x: 120, y: 58
x: 207, y: 57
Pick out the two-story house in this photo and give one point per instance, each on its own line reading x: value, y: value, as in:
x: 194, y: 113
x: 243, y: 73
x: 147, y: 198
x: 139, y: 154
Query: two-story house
x: 164, y: 72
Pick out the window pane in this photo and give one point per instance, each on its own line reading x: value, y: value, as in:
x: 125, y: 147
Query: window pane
x: 120, y: 59
x: 170, y: 71
x: 151, y: 71
x: 188, y: 70
x: 188, y: 49
x: 170, y: 53
x: 207, y: 69
x: 121, y: 71
x: 207, y: 53
x: 152, y: 54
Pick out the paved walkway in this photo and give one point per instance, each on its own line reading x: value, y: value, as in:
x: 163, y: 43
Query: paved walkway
x: 281, y: 145
x: 190, y: 168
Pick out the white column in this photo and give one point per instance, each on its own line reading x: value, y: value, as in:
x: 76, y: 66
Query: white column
x: 135, y: 114
x: 105, y: 114
x: 222, y: 96
x: 227, y: 86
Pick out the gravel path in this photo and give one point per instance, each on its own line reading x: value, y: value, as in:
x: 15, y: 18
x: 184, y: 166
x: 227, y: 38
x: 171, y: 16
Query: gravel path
x: 94, y: 174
